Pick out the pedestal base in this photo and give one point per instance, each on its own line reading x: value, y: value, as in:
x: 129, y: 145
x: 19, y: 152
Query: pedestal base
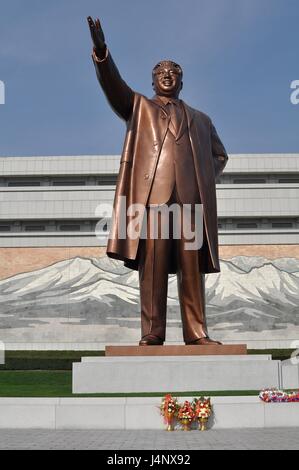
x: 177, y: 350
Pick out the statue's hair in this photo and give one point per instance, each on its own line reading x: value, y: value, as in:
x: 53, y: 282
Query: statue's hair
x: 163, y: 63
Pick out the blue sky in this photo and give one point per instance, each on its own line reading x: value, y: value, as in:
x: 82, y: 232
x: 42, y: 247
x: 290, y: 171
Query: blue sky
x: 239, y: 59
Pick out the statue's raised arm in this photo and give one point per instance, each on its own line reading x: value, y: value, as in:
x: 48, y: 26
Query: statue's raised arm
x: 118, y: 93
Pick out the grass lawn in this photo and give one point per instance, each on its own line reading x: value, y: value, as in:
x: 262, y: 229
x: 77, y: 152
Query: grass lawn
x: 63, y: 360
x: 59, y: 384
x: 49, y: 374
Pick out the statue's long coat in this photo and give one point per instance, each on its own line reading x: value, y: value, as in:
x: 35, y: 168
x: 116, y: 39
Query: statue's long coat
x: 147, y: 124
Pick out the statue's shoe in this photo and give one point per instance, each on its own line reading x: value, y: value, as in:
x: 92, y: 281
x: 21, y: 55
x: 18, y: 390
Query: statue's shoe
x: 151, y: 340
x: 205, y: 341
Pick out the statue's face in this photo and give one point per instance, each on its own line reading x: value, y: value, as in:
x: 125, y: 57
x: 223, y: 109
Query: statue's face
x: 167, y: 79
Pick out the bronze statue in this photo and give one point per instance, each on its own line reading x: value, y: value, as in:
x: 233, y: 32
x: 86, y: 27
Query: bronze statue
x: 172, y: 153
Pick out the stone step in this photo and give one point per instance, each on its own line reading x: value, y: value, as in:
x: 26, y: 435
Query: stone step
x: 251, y: 357
x: 138, y: 413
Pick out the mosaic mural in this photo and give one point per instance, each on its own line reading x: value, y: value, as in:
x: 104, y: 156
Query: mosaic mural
x: 97, y: 300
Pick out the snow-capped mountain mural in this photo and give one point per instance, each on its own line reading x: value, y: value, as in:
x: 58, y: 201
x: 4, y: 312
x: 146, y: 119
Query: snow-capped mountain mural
x: 97, y: 300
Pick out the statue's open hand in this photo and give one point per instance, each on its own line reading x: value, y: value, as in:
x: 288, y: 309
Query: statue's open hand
x: 97, y: 34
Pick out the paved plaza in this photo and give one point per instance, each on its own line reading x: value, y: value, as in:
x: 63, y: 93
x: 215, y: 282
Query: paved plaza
x: 248, y: 439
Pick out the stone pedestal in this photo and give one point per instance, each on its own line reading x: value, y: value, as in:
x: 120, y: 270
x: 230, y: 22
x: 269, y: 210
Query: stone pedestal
x: 290, y: 374
x: 140, y: 374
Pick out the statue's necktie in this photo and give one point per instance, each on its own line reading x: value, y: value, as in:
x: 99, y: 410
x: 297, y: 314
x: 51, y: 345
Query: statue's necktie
x: 175, y: 118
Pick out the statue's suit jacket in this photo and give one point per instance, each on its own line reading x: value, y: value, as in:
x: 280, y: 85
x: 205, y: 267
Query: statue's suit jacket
x: 147, y: 125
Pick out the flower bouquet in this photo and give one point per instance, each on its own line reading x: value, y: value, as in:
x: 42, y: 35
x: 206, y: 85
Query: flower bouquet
x: 169, y: 408
x: 186, y: 415
x: 202, y: 410
x: 273, y: 395
x: 293, y: 397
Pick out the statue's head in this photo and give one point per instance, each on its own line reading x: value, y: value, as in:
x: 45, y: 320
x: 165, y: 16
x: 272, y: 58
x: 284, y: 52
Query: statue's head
x: 167, y: 78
